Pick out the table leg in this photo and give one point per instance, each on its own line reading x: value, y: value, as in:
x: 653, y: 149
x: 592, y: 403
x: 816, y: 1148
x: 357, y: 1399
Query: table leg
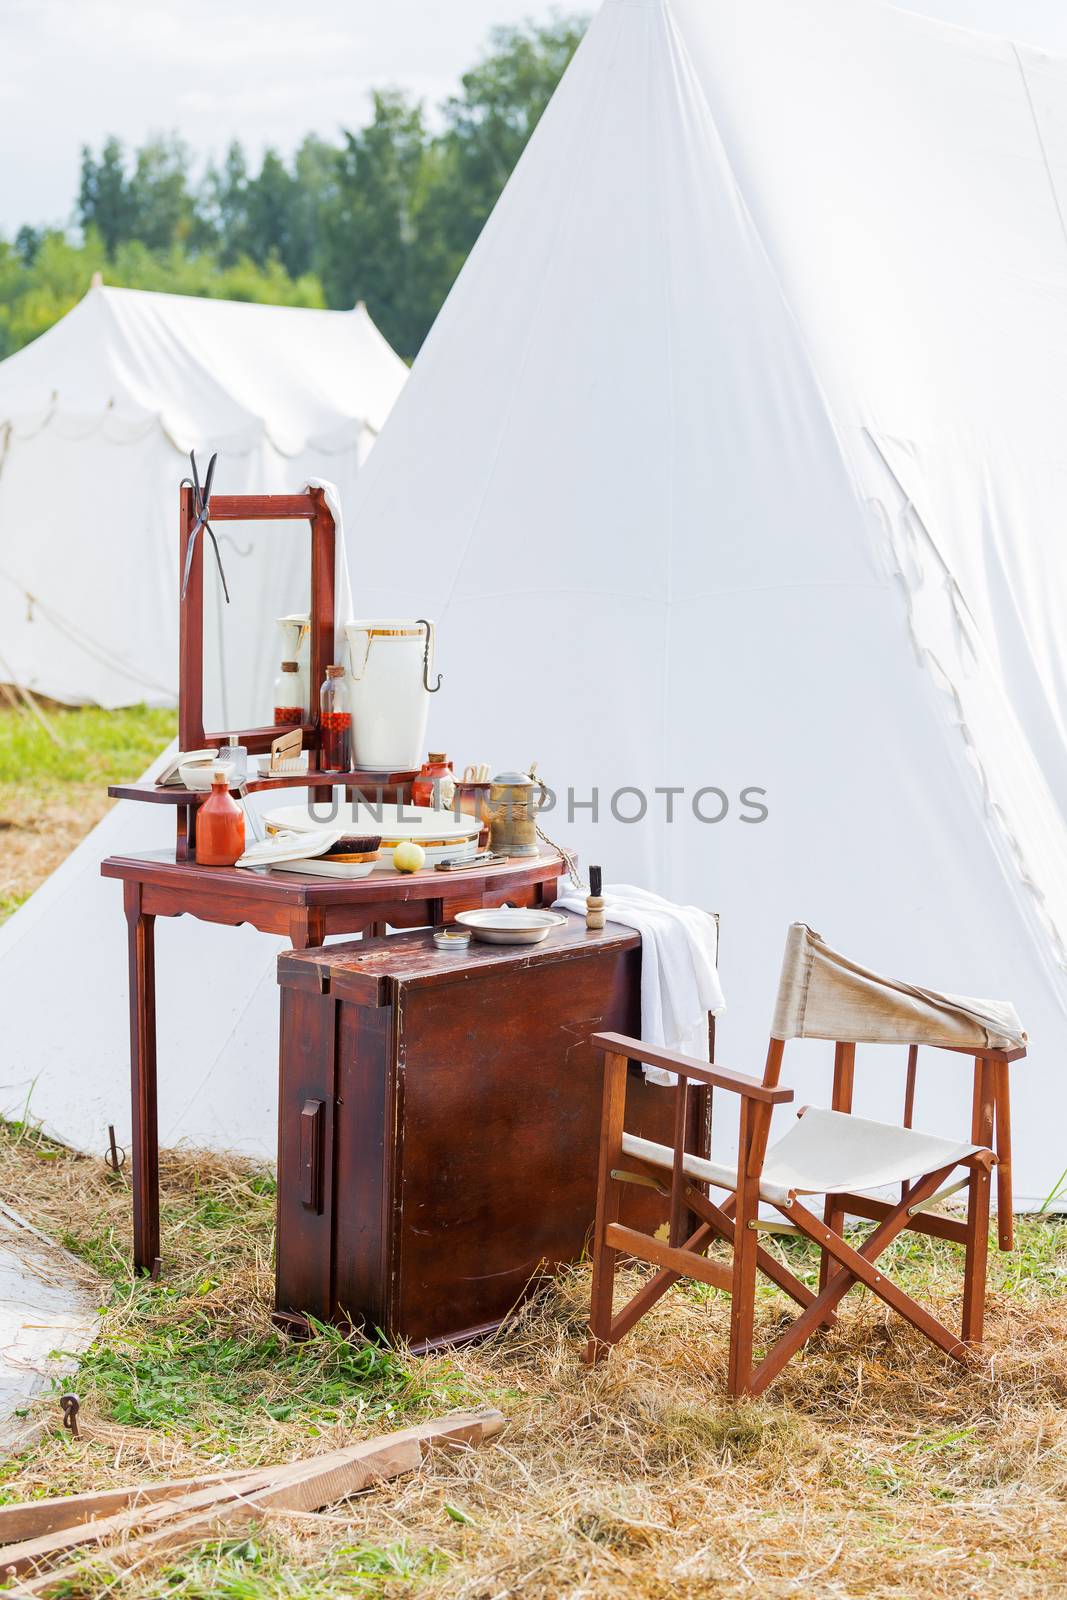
x: 307, y: 928
x: 145, y: 1129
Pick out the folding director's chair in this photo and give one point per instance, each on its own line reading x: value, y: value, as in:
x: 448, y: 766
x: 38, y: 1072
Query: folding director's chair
x: 822, y: 995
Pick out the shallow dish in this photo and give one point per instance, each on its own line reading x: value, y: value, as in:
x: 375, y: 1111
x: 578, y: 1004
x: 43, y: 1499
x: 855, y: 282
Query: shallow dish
x: 511, y: 924
x: 326, y: 867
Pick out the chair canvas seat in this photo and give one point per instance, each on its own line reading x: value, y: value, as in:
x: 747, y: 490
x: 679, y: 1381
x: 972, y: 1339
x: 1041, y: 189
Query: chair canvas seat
x: 825, y: 1152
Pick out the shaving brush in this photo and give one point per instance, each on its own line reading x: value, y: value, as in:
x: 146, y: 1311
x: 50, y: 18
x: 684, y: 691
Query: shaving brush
x: 594, y: 905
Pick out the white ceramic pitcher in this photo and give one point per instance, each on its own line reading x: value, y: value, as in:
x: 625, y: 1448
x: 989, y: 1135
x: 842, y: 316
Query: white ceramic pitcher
x: 389, y: 679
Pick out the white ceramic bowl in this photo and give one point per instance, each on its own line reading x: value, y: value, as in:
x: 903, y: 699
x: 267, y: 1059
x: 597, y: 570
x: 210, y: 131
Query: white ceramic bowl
x: 196, y: 775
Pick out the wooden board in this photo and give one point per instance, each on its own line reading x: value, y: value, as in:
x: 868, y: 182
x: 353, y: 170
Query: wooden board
x: 303, y: 1486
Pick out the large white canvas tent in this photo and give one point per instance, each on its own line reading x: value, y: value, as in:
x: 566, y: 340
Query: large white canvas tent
x: 745, y: 419
x: 760, y: 362
x: 97, y: 417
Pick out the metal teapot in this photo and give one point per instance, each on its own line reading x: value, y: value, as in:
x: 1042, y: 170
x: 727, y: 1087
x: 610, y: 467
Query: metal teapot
x: 515, y: 798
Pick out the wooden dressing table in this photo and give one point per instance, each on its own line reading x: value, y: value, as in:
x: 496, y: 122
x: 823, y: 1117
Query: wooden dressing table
x: 304, y: 908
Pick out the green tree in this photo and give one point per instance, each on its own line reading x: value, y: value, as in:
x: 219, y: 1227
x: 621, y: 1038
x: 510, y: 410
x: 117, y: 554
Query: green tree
x: 151, y: 203
x: 371, y: 236
x: 161, y: 205
x: 388, y: 217
x: 104, y: 202
x: 489, y: 122
x: 34, y: 297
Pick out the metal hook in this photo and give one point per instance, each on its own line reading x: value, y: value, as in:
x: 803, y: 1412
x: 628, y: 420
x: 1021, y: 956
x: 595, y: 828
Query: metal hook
x: 114, y: 1155
x: 70, y: 1405
x: 426, y: 658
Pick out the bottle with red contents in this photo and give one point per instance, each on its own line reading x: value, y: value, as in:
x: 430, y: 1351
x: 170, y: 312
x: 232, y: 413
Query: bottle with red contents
x: 220, y: 826
x: 335, y: 722
x: 288, y: 696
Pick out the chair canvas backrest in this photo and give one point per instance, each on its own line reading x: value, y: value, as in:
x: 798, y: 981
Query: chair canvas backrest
x: 824, y: 995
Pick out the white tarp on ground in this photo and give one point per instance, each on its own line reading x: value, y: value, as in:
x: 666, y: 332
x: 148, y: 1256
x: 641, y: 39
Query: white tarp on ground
x: 97, y: 417
x: 745, y: 419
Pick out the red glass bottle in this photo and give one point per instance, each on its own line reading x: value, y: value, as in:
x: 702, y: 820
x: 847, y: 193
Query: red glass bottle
x: 220, y: 826
x: 335, y: 723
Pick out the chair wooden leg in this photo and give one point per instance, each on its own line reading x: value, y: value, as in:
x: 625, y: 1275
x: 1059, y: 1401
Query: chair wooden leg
x: 654, y: 1290
x: 608, y: 1200
x: 1002, y: 1137
x: 805, y: 1325
x: 746, y: 1245
x: 843, y: 1091
x: 974, y: 1274
x: 834, y: 1217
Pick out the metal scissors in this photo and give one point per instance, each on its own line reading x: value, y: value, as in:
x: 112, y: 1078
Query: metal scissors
x: 202, y: 505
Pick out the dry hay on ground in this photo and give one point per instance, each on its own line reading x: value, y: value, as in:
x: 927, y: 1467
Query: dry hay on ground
x: 875, y: 1467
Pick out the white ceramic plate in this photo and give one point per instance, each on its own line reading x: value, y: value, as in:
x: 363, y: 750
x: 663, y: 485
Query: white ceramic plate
x: 395, y: 824
x: 323, y: 867
x: 446, y: 852
x: 511, y: 924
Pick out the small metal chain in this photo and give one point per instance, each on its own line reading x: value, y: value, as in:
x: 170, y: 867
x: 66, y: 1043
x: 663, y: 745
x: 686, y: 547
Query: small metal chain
x: 569, y: 857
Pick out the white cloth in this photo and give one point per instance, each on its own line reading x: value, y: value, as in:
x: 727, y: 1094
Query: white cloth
x: 343, y: 581
x: 679, y: 967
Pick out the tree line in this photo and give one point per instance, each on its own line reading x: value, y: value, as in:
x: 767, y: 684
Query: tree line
x: 387, y: 215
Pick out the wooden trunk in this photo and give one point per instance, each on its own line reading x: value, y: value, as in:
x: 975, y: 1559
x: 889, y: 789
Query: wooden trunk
x: 439, y: 1125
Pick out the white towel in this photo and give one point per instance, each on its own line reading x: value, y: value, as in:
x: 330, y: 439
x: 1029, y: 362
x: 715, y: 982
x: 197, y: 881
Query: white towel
x: 342, y: 579
x: 679, y: 972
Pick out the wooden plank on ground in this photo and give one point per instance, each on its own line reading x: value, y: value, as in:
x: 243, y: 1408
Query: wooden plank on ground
x: 32, y: 1519
x: 301, y: 1486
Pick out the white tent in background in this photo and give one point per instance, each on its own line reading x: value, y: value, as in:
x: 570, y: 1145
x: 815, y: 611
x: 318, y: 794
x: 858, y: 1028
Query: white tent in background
x: 760, y: 366
x: 97, y: 417
x: 746, y: 418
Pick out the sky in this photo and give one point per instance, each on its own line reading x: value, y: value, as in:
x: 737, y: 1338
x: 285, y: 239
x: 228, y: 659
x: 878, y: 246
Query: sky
x: 263, y: 71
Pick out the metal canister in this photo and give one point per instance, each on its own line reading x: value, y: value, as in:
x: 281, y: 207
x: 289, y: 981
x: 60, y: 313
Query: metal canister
x: 515, y: 798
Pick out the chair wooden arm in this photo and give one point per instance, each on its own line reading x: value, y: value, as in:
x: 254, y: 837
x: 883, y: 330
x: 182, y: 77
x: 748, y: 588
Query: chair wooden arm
x: 716, y: 1077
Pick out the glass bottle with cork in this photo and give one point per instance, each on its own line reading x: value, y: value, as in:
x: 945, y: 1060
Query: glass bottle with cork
x: 335, y: 722
x: 288, y: 697
x: 435, y: 785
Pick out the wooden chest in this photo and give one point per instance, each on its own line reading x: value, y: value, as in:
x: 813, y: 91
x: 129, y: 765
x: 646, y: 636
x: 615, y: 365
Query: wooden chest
x: 439, y: 1124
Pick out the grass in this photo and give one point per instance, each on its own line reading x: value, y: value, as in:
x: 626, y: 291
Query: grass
x: 875, y: 1467
x: 94, y: 747
x: 52, y: 793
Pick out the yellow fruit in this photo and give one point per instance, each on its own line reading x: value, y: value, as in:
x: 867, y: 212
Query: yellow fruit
x: 409, y: 857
